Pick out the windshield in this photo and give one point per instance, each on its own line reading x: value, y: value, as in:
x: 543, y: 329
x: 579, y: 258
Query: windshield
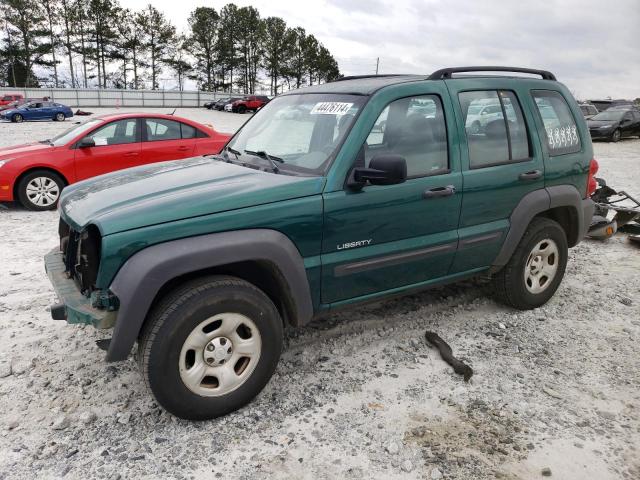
x: 73, y: 132
x: 611, y: 115
x: 303, y: 131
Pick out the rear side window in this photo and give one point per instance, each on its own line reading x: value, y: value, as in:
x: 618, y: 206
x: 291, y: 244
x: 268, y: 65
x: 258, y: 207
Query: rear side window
x: 161, y: 129
x: 415, y: 129
x: 187, y: 131
x: 559, y: 124
x: 495, y: 128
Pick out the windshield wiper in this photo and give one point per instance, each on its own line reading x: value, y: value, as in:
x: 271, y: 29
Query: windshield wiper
x: 266, y: 156
x: 47, y: 141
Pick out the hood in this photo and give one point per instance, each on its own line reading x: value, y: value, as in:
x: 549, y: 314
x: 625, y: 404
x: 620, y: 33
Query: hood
x: 601, y: 123
x: 25, y: 149
x: 175, y: 190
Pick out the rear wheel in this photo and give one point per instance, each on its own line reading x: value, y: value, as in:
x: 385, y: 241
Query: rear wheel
x: 536, y: 268
x: 242, y: 109
x: 210, y: 347
x: 40, y: 190
x: 59, y: 117
x: 17, y: 118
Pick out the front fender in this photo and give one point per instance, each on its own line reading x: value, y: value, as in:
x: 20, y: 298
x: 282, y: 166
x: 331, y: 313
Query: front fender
x: 146, y: 272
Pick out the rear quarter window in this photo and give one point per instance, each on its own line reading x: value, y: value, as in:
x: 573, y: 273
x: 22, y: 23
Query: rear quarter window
x: 560, y: 126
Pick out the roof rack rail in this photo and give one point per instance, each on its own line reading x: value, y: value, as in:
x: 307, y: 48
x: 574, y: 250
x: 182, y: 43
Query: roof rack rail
x: 445, y: 73
x: 381, y: 75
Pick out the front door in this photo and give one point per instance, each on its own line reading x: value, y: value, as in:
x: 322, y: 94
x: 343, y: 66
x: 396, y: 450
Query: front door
x: 117, y: 146
x: 387, y: 237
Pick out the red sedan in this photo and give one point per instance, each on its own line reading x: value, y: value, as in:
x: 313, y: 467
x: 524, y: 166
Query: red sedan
x: 36, y: 173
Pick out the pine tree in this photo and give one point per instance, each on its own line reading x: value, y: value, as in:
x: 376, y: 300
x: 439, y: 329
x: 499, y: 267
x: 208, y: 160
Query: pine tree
x: 25, y: 24
x: 159, y: 35
x: 202, y: 42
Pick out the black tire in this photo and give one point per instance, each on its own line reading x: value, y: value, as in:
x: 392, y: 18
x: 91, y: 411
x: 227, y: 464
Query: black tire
x: 180, y: 312
x: 616, y: 136
x: 17, y: 118
x: 26, y: 198
x: 242, y: 109
x: 509, y: 283
x: 59, y: 117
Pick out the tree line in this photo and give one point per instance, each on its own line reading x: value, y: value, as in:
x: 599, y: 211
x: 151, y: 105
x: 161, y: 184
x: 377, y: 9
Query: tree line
x: 100, y: 43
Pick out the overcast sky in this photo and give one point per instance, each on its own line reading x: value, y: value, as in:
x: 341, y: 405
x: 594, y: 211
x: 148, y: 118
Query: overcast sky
x: 593, y: 46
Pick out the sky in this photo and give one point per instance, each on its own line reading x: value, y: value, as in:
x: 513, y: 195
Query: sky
x: 593, y: 46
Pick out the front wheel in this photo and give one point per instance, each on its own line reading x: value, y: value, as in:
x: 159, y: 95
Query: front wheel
x: 17, y: 118
x: 616, y: 135
x: 242, y: 109
x: 40, y: 190
x: 59, y: 117
x: 536, y: 268
x: 210, y: 346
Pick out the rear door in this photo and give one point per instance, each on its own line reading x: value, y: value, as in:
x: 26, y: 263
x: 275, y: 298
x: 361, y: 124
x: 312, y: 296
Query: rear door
x: 388, y: 237
x: 501, y: 162
x: 164, y: 139
x: 636, y: 121
x: 117, y: 146
x: 628, y: 125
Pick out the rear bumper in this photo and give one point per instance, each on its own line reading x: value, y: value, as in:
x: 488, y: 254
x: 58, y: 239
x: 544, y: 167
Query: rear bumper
x: 588, y: 208
x: 77, y: 307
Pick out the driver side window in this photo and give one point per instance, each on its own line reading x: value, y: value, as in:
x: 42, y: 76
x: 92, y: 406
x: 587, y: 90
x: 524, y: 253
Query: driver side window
x: 116, y: 133
x: 415, y: 129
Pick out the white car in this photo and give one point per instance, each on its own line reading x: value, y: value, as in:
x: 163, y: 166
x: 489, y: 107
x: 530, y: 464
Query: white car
x: 228, y: 107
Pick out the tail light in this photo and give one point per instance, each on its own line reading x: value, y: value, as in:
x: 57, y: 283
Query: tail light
x: 592, y: 184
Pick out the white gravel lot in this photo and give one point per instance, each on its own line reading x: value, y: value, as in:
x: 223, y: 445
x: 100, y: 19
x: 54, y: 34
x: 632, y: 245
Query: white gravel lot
x: 360, y: 395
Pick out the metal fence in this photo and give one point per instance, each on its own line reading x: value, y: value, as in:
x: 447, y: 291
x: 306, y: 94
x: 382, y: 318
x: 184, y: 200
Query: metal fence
x: 87, y: 97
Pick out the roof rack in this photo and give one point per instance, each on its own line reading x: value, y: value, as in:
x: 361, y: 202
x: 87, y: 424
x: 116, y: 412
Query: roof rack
x: 445, y: 73
x: 382, y: 75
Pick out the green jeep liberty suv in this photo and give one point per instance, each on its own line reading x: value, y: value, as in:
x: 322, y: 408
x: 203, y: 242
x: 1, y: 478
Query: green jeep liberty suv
x: 331, y: 195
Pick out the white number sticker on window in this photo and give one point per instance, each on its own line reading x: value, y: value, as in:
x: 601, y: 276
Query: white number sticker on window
x: 565, y: 136
x: 331, y: 108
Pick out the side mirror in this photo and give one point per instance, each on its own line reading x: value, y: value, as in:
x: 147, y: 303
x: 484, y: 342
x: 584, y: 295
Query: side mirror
x: 382, y: 170
x: 87, y: 142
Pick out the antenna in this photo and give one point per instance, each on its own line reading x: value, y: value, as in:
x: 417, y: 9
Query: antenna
x: 174, y: 111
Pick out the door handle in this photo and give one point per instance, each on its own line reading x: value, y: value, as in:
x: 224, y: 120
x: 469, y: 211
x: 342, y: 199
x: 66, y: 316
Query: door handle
x: 438, y: 192
x: 183, y: 149
x: 532, y: 175
x: 131, y: 154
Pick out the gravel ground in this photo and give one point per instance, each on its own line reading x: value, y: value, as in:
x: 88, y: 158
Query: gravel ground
x: 360, y: 395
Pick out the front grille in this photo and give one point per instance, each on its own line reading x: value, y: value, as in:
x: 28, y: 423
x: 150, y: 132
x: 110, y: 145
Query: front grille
x: 81, y: 255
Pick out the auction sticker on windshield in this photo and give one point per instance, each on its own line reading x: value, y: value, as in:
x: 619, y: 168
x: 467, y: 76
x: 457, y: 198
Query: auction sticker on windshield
x: 331, y: 108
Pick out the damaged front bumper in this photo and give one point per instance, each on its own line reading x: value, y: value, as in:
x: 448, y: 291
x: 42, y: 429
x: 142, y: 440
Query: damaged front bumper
x: 74, y: 307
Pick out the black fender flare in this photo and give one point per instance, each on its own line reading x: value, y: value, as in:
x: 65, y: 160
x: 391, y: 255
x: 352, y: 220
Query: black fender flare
x: 537, y: 202
x: 145, y: 273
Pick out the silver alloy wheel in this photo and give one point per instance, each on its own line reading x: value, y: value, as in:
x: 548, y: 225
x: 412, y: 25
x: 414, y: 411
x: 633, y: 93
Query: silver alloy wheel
x: 17, y: 118
x: 60, y: 117
x: 42, y: 191
x: 220, y: 354
x: 542, y: 266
